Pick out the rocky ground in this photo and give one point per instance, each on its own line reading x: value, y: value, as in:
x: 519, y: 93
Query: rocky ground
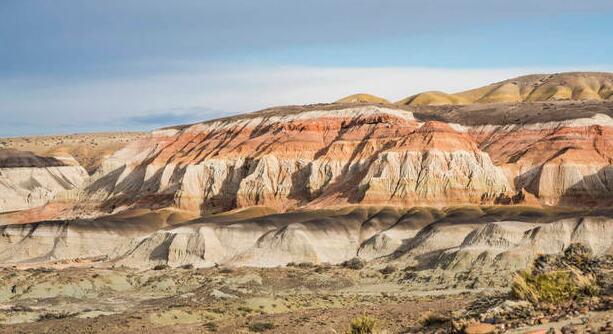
x: 162, y: 232
x: 96, y: 298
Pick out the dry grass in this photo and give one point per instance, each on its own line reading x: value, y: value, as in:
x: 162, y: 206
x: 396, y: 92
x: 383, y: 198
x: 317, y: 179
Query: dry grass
x: 554, y: 287
x: 363, y: 324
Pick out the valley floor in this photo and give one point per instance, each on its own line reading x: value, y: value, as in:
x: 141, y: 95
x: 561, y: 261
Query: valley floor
x: 297, y: 299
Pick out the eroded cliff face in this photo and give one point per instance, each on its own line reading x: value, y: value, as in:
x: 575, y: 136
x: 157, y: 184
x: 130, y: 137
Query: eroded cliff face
x: 476, y: 240
x: 355, y: 154
x: 29, y: 181
x: 561, y: 163
x: 444, y: 189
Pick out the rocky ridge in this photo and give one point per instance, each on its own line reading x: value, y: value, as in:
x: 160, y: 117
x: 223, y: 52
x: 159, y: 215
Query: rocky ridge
x: 326, y: 183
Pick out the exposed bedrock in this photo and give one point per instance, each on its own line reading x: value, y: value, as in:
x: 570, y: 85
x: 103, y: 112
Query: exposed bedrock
x: 29, y: 181
x: 421, y: 238
x: 366, y: 154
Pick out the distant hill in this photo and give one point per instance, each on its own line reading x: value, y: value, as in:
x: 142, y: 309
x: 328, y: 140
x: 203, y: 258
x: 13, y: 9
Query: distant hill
x: 362, y: 98
x: 569, y: 86
x: 529, y: 88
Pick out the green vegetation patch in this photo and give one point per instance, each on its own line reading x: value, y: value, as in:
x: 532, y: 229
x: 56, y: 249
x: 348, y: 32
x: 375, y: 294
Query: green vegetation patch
x: 553, y: 287
x: 363, y: 325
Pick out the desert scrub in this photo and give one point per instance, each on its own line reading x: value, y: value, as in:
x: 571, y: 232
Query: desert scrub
x: 552, y: 287
x: 211, y: 326
x: 259, y: 327
x: 388, y: 270
x: 355, y: 264
x: 363, y: 325
x: 244, y: 309
x: 54, y: 316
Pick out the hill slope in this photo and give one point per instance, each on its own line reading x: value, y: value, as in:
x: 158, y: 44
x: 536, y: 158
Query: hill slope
x: 328, y: 182
x: 575, y: 86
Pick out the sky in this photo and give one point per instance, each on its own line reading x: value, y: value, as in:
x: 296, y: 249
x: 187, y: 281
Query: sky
x: 71, y: 66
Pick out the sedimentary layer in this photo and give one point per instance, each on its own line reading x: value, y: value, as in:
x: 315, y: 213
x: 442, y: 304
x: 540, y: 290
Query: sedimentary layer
x: 28, y: 181
x: 368, y: 154
x: 317, y: 177
x: 428, y: 239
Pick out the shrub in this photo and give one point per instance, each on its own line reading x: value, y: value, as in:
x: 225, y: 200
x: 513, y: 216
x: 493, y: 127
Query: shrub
x: 354, y: 263
x: 322, y: 268
x: 363, y: 325
x: 388, y: 270
x: 259, y: 327
x: 305, y: 265
x: 211, y: 326
x: 160, y: 267
x: 553, y: 287
x: 245, y: 309
x: 54, y: 316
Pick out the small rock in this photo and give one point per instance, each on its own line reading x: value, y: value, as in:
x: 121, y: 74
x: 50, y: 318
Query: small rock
x: 568, y: 329
x: 543, y: 321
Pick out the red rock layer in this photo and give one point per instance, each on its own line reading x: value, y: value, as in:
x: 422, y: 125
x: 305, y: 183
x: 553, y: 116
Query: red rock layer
x: 365, y: 154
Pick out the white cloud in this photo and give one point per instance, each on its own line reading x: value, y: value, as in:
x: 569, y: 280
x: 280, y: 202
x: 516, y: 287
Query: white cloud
x: 41, y: 106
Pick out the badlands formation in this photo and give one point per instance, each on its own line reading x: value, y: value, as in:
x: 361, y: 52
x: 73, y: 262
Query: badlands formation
x: 301, y: 218
x: 524, y: 169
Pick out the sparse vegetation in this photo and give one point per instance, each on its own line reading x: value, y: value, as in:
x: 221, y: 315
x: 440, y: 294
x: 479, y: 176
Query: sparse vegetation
x: 244, y: 309
x: 305, y: 265
x: 260, y: 327
x: 363, y: 325
x: 388, y: 270
x: 226, y: 270
x: 557, y: 279
x: 355, y: 264
x: 211, y: 326
x: 52, y: 316
x: 553, y: 287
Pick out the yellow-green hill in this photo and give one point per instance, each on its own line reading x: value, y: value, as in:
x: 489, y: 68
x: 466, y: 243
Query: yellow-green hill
x: 362, y: 98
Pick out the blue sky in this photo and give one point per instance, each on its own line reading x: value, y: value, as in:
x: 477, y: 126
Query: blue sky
x: 72, y: 66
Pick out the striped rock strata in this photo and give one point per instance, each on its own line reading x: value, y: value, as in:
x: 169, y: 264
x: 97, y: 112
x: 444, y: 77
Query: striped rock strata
x: 28, y: 181
x: 366, y: 154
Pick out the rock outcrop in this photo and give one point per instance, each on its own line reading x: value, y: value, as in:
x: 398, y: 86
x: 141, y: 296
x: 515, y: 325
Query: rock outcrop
x: 490, y: 240
x: 325, y: 183
x: 368, y: 154
x: 355, y: 154
x: 29, y: 181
